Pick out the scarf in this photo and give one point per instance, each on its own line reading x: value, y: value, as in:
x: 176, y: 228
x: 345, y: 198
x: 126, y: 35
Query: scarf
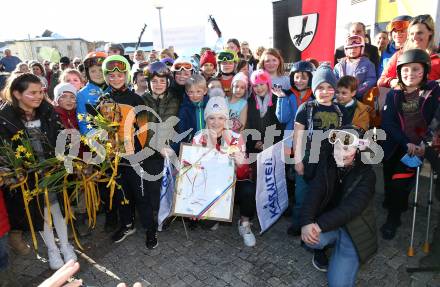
x: 263, y: 104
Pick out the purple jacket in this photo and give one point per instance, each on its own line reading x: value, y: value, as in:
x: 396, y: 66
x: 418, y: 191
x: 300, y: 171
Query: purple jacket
x: 365, y: 73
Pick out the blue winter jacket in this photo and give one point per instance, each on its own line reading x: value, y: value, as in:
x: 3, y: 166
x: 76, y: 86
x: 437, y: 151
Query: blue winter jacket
x: 286, y: 112
x: 365, y: 73
x: 191, y: 116
x: 89, y: 95
x: 386, y: 56
x: 392, y: 116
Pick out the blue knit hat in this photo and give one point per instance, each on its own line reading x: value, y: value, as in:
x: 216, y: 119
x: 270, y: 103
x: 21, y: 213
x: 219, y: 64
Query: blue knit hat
x: 324, y: 73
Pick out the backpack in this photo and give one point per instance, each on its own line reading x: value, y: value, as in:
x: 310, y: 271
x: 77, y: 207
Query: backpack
x: 310, y: 168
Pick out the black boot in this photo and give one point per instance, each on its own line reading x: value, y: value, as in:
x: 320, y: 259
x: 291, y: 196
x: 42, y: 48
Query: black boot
x: 390, y: 227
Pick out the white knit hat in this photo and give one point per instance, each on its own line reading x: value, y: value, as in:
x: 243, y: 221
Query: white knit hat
x: 62, y: 88
x: 217, y: 105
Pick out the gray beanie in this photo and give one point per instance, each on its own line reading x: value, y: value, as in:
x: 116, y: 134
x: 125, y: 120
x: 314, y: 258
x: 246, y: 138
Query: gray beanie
x: 324, y: 73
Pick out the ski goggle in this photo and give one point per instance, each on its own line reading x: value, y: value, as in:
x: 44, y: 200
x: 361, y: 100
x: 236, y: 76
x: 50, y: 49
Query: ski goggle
x: 111, y: 66
x: 177, y: 67
x: 346, y: 138
x: 225, y: 57
x: 160, y: 73
x: 398, y: 26
x: 94, y: 61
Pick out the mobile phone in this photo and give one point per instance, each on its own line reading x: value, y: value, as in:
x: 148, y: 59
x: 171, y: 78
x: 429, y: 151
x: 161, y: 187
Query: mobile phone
x: 277, y: 86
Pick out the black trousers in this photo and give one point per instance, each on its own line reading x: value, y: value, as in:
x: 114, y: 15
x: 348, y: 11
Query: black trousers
x: 245, y: 197
x: 142, y: 194
x: 399, y: 180
x: 18, y: 219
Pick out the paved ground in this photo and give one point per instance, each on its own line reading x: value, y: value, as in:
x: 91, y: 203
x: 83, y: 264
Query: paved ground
x: 219, y: 258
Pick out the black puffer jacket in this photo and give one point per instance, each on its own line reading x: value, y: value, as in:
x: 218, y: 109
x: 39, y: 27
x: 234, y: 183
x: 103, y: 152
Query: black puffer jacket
x: 254, y: 121
x: 347, y: 201
x: 164, y: 108
x: 10, y: 124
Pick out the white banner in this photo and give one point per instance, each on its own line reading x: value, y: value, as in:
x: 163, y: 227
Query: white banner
x: 271, y: 196
x: 166, y: 192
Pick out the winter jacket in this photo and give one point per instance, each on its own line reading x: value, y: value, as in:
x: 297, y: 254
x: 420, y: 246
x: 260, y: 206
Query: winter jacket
x: 10, y: 124
x: 165, y: 108
x: 260, y: 124
x: 392, y: 116
x: 67, y: 118
x: 390, y: 72
x: 4, y: 222
x: 126, y: 102
x: 361, y: 116
x: 230, y: 140
x: 389, y: 51
x: 370, y: 51
x: 87, y: 96
x: 286, y: 110
x: 364, y: 72
x: 191, y: 116
x: 346, y: 202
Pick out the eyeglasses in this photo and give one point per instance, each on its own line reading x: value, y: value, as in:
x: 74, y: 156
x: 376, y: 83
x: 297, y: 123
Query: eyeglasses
x: 225, y: 57
x: 68, y: 97
x: 182, y: 66
x: 111, y: 66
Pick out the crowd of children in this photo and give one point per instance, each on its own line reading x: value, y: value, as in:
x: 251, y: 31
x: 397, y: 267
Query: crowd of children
x: 226, y: 93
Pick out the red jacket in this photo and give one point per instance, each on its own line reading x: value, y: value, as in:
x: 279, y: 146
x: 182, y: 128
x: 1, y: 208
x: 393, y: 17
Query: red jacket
x: 4, y: 221
x: 68, y: 118
x: 390, y: 71
x: 231, y: 140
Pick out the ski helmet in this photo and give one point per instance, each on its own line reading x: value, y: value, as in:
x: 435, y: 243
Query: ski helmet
x: 92, y: 59
x: 414, y: 56
x: 116, y: 63
x: 183, y: 63
x: 158, y: 69
x: 355, y: 41
x: 301, y: 66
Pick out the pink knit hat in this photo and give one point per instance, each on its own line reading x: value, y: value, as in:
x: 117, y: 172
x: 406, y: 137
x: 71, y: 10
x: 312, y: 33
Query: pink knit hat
x: 262, y: 77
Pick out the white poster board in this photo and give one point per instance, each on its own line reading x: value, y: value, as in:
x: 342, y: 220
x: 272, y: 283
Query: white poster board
x: 205, y: 184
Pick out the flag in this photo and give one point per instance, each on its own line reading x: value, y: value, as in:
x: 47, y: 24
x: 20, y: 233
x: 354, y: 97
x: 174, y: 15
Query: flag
x: 166, y: 192
x: 271, y: 195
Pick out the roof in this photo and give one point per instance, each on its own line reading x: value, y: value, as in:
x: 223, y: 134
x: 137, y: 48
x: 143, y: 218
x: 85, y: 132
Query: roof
x: 50, y: 39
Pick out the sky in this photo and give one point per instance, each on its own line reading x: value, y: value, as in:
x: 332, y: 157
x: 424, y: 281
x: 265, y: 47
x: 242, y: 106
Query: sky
x: 122, y: 21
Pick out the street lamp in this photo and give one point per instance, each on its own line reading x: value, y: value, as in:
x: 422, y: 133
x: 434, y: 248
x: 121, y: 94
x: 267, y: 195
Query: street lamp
x: 158, y: 5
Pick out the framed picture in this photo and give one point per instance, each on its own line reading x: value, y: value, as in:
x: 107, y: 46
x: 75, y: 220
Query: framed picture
x: 205, y: 184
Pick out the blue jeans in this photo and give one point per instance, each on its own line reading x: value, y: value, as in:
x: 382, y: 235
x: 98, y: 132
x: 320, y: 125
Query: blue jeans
x: 4, y: 252
x: 301, y: 188
x: 344, y: 262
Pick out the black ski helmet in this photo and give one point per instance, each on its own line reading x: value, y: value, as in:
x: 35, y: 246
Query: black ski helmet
x: 414, y: 56
x: 301, y: 66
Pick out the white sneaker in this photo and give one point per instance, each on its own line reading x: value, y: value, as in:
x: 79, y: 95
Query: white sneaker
x: 68, y: 252
x: 246, y: 232
x: 55, y: 260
